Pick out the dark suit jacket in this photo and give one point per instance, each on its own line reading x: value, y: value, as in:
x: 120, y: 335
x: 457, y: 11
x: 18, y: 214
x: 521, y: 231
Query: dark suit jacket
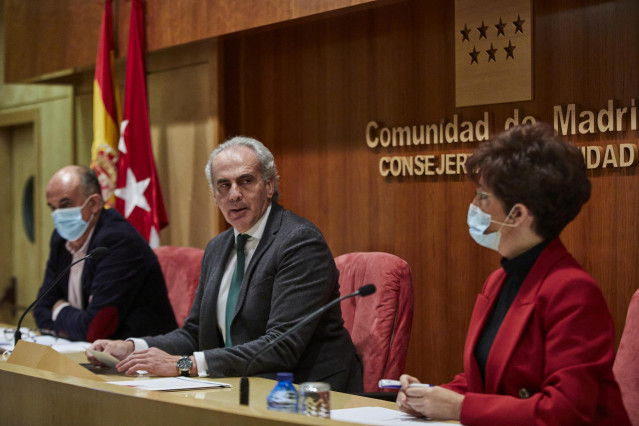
x: 551, y: 361
x: 291, y: 273
x: 128, y: 278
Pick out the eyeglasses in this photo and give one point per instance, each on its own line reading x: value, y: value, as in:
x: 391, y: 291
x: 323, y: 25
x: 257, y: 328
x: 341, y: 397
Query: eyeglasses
x: 481, y: 195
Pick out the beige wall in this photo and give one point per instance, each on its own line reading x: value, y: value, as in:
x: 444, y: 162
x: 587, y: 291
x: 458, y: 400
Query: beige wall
x: 46, y: 110
x: 183, y: 108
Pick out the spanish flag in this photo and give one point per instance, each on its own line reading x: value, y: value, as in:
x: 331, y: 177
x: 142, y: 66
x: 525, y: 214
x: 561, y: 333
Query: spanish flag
x: 106, y: 112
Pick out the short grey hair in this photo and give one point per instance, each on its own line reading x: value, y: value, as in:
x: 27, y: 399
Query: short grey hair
x: 264, y: 156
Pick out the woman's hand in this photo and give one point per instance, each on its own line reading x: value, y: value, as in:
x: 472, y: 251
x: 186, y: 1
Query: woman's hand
x: 433, y: 402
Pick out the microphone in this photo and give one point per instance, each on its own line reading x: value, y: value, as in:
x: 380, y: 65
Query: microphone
x: 363, y: 291
x: 96, y: 253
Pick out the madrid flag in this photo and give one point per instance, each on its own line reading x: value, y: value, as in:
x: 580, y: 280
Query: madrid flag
x: 106, y: 112
x: 139, y: 197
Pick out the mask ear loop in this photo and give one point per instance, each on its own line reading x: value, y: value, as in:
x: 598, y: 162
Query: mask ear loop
x: 505, y: 220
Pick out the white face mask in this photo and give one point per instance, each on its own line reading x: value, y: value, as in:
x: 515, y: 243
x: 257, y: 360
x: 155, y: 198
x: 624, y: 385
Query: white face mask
x: 479, y: 221
x: 68, y: 222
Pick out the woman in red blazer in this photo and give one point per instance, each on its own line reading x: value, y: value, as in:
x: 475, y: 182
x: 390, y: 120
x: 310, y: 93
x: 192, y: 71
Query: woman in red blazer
x: 540, y: 344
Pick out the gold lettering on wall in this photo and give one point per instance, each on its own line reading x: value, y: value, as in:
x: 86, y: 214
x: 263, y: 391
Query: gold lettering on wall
x: 568, y: 120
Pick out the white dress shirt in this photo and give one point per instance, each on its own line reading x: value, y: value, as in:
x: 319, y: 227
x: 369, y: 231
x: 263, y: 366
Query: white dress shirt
x: 75, y: 278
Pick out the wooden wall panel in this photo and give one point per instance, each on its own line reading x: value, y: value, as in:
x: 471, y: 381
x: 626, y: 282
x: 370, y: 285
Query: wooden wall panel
x: 189, y: 20
x: 46, y: 38
x: 308, y: 91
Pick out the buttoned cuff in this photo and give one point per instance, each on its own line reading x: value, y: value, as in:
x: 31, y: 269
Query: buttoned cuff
x: 200, y: 362
x: 138, y: 344
x: 56, y: 312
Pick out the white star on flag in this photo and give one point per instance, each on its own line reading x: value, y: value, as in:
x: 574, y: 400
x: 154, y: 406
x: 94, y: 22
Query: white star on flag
x: 133, y: 193
x: 121, y: 143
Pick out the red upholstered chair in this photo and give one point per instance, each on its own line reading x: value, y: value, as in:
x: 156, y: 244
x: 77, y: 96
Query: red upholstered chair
x: 181, y: 269
x: 379, y: 324
x: 626, y: 367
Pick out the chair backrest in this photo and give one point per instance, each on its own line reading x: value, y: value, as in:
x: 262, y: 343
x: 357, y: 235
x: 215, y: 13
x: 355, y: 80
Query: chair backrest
x: 626, y: 366
x: 379, y: 324
x: 181, y: 268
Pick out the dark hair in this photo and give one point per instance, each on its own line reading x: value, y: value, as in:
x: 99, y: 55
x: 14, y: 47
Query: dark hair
x: 264, y: 156
x: 531, y: 165
x: 89, y: 183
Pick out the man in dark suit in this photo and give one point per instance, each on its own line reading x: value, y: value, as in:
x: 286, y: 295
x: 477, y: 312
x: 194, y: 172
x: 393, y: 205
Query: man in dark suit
x: 288, y: 272
x: 122, y: 294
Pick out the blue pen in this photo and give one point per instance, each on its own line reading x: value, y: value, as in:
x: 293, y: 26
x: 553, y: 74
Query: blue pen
x: 394, y: 384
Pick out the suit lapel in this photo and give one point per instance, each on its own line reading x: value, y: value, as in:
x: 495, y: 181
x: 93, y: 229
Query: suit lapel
x: 505, y: 342
x: 273, y: 223
x: 219, y: 266
x: 209, y: 334
x: 483, y: 307
x: 518, y: 315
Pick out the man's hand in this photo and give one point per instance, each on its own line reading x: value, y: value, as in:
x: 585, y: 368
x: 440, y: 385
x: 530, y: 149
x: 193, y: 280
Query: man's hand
x: 153, y: 360
x: 433, y: 402
x: 118, y: 348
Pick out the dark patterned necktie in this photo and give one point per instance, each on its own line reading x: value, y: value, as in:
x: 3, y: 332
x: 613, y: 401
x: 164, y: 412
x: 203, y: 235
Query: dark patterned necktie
x: 236, y: 283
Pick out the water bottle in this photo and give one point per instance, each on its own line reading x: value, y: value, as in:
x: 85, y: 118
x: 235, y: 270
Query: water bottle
x: 283, y: 397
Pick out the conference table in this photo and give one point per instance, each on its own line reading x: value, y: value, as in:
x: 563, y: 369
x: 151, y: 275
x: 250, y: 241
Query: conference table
x: 35, y: 396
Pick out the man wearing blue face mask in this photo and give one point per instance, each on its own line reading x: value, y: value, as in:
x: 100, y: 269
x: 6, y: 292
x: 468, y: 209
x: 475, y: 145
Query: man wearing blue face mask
x: 122, y: 294
x: 540, y: 344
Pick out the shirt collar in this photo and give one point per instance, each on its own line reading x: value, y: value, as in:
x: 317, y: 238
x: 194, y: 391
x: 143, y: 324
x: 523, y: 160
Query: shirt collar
x: 256, y: 230
x: 82, y: 250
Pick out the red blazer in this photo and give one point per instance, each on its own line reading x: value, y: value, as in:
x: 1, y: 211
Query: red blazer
x: 551, y: 361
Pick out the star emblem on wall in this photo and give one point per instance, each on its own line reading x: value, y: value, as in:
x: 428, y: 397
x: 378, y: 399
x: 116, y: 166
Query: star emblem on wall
x: 493, y: 49
x: 491, y: 53
x: 509, y: 50
x: 473, y: 56
x: 500, y: 28
x: 519, y: 25
x: 482, y: 30
x: 465, y: 32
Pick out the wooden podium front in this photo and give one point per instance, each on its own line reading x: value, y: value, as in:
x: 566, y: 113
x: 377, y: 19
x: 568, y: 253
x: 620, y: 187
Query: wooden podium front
x: 37, y: 396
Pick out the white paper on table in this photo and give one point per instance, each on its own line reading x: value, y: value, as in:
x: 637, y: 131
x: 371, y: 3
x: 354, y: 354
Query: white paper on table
x: 67, y: 348
x: 59, y: 344
x: 171, y: 383
x: 379, y: 416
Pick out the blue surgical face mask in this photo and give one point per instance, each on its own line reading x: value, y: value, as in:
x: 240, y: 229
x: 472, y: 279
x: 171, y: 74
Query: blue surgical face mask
x: 478, y: 221
x: 68, y: 222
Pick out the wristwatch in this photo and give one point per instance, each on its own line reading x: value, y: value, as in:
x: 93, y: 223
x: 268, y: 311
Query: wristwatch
x: 184, y: 365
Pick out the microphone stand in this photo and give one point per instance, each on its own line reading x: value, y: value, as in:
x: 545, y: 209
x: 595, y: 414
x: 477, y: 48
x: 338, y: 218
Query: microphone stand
x: 96, y: 253
x: 244, y: 382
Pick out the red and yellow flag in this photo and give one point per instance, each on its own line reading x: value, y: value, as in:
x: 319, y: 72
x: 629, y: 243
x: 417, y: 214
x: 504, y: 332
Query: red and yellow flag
x: 106, y: 112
